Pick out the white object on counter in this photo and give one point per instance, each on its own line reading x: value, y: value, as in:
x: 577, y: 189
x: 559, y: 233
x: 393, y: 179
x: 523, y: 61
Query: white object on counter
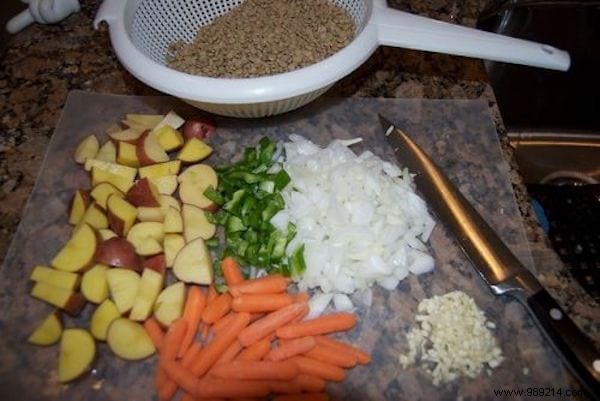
x: 43, y: 12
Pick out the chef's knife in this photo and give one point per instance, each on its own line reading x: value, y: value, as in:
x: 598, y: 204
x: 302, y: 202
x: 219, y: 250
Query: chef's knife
x: 496, y: 264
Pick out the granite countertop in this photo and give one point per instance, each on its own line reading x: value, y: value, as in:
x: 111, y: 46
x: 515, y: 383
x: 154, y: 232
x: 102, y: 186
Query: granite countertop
x: 43, y: 63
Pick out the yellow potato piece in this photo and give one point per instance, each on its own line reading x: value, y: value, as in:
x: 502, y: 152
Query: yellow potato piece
x: 101, y: 319
x: 77, y: 351
x: 48, y: 331
x: 128, y: 340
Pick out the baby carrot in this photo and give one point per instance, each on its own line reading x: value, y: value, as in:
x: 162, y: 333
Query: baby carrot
x: 169, y: 349
x: 361, y: 356
x: 231, y: 271
x: 165, y: 387
x: 192, y: 313
x: 191, y: 354
x: 230, y: 353
x: 256, y: 370
x: 218, y: 308
x: 173, y: 338
x: 275, y: 283
x: 219, y: 388
x: 268, y: 324
x: 291, y: 348
x: 209, y: 355
x: 331, y: 355
x: 300, y: 297
x: 211, y: 294
x: 223, y: 322
x: 320, y: 369
x: 254, y: 303
x: 182, y: 376
x: 320, y: 325
x: 154, y: 332
x: 303, y: 397
x: 189, y: 397
x: 310, y: 384
x: 300, y: 317
x: 256, y: 351
x: 159, y: 378
x: 204, y: 332
x: 255, y: 316
x: 284, y: 386
x: 301, y: 383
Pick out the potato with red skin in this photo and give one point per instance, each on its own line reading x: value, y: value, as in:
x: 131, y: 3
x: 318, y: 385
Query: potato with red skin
x: 95, y: 216
x: 147, y: 238
x: 128, y: 135
x: 78, y: 253
x: 79, y: 204
x: 102, y: 317
x: 157, y: 263
x: 194, y: 181
x: 87, y: 149
x: 145, y: 121
x: 200, y: 128
x: 118, y: 252
x: 121, y: 214
x: 172, y: 244
x: 127, y: 154
x: 143, y: 193
x: 173, y: 221
x: 93, y: 284
x: 101, y: 192
x: 106, y: 233
x: 169, y: 304
x: 107, y: 152
x: 150, y: 286
x: 123, y: 285
x: 155, y: 171
x: 194, y: 150
x: 149, y: 151
x: 196, y: 224
x: 67, y: 300
x: 193, y: 263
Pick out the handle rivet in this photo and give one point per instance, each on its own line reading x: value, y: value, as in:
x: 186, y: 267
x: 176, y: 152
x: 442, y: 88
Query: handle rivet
x: 596, y: 365
x: 556, y: 314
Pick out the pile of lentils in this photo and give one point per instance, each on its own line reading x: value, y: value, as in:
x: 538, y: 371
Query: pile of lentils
x: 264, y: 37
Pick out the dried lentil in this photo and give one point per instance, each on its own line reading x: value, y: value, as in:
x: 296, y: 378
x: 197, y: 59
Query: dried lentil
x: 264, y: 37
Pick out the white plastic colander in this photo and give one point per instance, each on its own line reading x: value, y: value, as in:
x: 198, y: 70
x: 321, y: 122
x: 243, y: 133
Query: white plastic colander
x: 141, y: 31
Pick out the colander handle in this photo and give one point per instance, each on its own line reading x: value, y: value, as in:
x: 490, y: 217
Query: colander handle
x: 401, y: 29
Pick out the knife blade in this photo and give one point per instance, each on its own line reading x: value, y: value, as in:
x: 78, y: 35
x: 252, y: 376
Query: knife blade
x: 494, y: 261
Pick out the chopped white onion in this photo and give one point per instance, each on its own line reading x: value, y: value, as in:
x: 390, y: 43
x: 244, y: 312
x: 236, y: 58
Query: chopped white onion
x: 359, y: 218
x: 342, y: 303
x: 317, y: 304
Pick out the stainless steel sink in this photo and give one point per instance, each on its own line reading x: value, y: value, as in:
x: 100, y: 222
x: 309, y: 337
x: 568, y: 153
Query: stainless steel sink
x: 557, y: 157
x: 553, y: 123
x: 562, y: 175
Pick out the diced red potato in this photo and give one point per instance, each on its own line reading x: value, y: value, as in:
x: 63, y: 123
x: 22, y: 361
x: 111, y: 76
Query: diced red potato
x: 200, y: 128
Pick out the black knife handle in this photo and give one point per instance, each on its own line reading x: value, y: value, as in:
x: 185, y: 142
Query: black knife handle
x: 577, y: 350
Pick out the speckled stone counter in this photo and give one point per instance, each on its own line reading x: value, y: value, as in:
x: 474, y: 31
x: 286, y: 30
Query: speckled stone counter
x: 43, y: 63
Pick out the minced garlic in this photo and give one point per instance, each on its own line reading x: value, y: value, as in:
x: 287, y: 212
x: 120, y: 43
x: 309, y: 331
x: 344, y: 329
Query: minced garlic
x: 452, y: 339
